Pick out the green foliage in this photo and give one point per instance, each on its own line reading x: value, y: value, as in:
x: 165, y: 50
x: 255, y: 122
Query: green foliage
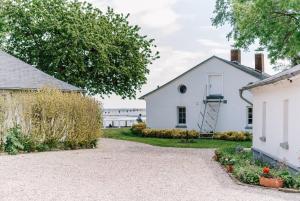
x: 77, y: 43
x: 248, y: 174
x: 13, y: 140
x: 138, y: 128
x: 233, y: 136
x: 126, y: 134
x: 170, y: 133
x: 289, y: 180
x: 248, y: 171
x: 29, y: 144
x: 274, y: 24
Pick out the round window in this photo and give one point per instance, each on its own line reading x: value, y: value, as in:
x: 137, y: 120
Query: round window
x: 182, y: 89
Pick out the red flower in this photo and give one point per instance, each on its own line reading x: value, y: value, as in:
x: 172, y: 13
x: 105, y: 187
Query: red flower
x: 266, y: 170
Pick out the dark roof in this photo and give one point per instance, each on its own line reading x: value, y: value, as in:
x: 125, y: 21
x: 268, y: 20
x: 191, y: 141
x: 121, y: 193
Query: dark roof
x: 18, y: 75
x: 246, y: 69
x: 275, y: 78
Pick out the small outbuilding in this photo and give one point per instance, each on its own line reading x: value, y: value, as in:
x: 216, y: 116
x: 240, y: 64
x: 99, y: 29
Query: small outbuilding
x: 18, y: 75
x: 276, y: 126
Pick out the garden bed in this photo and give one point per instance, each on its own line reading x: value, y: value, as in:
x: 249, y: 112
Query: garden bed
x: 247, y: 171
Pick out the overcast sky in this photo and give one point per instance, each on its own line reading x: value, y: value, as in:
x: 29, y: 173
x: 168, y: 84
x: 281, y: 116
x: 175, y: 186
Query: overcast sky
x: 183, y: 33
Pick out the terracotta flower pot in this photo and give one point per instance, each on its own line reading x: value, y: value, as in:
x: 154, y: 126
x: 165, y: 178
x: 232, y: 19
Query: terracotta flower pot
x: 271, y: 182
x: 229, y: 168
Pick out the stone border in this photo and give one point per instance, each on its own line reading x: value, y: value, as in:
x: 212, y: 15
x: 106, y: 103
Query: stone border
x: 236, y: 181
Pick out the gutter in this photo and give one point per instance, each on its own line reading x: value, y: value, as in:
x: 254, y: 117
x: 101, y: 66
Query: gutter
x: 243, y: 98
x: 271, y: 81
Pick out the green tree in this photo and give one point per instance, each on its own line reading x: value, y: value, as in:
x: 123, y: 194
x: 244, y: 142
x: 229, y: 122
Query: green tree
x: 77, y: 43
x: 274, y: 24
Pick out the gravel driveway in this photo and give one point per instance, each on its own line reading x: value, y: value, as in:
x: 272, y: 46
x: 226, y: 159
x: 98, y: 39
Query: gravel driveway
x: 124, y: 171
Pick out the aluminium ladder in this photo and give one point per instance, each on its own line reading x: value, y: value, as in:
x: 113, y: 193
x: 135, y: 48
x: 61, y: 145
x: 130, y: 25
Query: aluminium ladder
x: 210, y: 116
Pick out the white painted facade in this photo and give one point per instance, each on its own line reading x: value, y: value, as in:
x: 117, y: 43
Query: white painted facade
x: 276, y: 128
x: 213, y: 76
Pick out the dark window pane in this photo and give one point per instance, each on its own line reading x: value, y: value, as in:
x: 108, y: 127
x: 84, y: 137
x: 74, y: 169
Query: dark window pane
x: 181, y: 115
x: 250, y: 115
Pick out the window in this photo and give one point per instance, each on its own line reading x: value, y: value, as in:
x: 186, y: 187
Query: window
x: 264, y: 121
x: 249, y: 115
x: 181, y: 115
x: 182, y: 89
x: 285, y: 120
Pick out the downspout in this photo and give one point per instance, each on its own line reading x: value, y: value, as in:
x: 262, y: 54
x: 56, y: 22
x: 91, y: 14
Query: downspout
x: 243, y: 98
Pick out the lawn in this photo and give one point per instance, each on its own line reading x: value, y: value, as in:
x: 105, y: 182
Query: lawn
x: 126, y: 134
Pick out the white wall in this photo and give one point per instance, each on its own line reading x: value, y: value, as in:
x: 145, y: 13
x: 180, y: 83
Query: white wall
x: 162, y: 105
x: 274, y: 96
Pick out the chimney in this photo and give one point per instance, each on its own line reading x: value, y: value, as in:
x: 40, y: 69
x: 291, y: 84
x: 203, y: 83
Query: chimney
x: 235, y: 55
x: 259, y: 62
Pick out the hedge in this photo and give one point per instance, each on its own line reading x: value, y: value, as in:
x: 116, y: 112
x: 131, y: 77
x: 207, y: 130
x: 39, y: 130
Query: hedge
x: 141, y: 129
x: 50, y: 118
x: 138, y: 128
x: 170, y: 133
x: 233, y: 136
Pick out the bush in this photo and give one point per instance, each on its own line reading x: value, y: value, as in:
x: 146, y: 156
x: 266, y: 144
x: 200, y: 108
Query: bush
x: 51, y: 119
x: 289, y: 180
x: 13, y: 141
x: 170, y: 133
x: 138, y: 128
x: 248, y: 174
x: 233, y: 136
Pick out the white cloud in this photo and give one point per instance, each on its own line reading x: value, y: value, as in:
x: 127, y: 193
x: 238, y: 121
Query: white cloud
x: 221, y: 51
x: 209, y: 43
x: 149, y: 14
x: 172, y: 63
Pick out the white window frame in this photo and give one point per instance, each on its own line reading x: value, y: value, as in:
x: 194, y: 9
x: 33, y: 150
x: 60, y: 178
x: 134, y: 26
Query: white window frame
x: 264, y: 122
x: 285, y: 124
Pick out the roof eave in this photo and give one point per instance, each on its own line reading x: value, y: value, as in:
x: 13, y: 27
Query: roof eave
x: 267, y: 82
x: 258, y: 75
x: 36, y: 89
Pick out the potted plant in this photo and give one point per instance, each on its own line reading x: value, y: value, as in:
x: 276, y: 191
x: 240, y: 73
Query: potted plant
x: 229, y: 162
x: 268, y: 180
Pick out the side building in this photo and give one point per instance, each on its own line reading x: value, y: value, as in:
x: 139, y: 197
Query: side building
x: 276, y: 130
x: 206, y: 97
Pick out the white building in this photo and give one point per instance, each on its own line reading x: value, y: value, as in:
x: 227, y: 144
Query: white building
x: 276, y: 128
x: 122, y: 117
x: 206, y: 97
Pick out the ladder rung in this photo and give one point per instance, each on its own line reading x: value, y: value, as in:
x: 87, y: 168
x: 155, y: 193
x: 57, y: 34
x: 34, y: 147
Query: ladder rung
x: 209, y: 124
x: 211, y: 116
x: 202, y: 114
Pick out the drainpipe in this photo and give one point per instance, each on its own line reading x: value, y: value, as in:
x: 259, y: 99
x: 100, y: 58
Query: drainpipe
x: 243, y: 98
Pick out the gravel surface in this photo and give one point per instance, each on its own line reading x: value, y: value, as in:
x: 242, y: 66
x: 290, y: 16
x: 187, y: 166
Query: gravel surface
x: 124, y: 171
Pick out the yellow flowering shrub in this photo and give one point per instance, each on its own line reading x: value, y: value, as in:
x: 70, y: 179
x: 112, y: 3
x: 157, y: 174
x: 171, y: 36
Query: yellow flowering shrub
x: 233, y: 136
x: 138, y: 128
x: 49, y: 116
x: 170, y: 133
